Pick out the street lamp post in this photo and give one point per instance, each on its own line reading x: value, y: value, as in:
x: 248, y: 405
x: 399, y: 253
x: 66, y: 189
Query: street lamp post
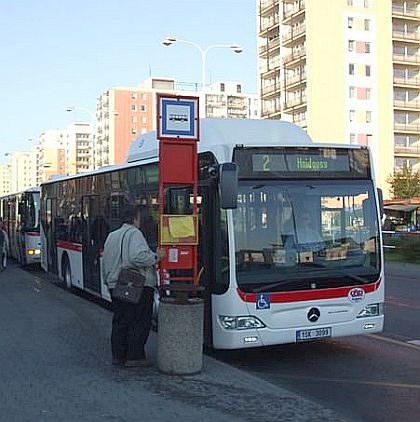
x: 168, y: 41
x: 71, y: 109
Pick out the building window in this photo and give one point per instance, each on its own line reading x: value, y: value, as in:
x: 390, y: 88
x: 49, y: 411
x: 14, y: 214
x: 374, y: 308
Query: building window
x: 238, y: 88
x: 367, y: 70
x: 144, y: 120
x: 133, y: 130
x: 367, y: 47
x: 133, y: 95
x: 351, y: 69
x: 368, y: 116
x: 349, y: 2
x: 352, y: 92
x: 222, y: 87
x: 351, y: 115
x: 366, y: 4
x: 367, y: 93
x: 143, y: 107
x: 367, y: 24
x: 351, y: 45
x: 350, y: 23
x: 133, y: 107
x: 369, y: 139
x: 352, y: 138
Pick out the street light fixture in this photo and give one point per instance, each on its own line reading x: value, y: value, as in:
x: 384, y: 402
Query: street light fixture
x: 168, y: 41
x: 70, y: 109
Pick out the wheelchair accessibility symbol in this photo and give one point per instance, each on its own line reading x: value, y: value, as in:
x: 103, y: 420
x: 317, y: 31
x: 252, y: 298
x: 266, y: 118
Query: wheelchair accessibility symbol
x: 263, y: 301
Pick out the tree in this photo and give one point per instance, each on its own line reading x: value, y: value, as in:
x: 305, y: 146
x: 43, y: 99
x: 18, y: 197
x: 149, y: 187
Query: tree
x: 405, y: 183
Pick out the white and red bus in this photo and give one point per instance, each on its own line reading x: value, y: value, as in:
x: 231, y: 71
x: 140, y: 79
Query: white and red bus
x: 20, y: 215
x: 270, y: 274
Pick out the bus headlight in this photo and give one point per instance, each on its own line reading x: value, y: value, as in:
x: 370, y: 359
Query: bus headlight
x: 374, y: 309
x: 240, y: 322
x: 34, y: 251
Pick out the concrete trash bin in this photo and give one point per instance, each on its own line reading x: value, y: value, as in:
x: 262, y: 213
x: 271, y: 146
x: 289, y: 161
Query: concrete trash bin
x: 180, y: 336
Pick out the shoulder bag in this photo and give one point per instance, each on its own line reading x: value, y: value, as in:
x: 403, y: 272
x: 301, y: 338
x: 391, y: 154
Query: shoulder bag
x: 130, y: 283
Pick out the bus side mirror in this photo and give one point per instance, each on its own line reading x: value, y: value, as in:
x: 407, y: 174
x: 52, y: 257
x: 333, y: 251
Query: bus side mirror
x: 228, y: 185
x: 381, y: 202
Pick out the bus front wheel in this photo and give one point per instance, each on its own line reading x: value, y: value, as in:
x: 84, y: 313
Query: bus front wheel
x: 67, y: 273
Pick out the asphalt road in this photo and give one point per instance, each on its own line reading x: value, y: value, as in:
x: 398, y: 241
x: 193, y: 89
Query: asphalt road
x: 55, y: 367
x: 367, y: 378
x: 362, y: 378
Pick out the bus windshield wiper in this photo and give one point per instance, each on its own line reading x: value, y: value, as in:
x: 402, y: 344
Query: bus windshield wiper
x: 268, y: 287
x: 345, y: 273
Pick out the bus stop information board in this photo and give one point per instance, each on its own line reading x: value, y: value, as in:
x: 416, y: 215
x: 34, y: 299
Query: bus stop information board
x: 178, y: 134
x: 178, y: 118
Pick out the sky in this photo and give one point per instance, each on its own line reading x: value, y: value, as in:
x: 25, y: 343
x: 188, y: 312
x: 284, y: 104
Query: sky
x: 56, y: 53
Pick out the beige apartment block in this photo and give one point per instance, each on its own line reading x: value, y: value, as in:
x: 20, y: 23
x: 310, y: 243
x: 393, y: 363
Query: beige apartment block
x: 22, y: 170
x: 51, y: 154
x: 79, y: 148
x: 124, y: 113
x: 5, y: 186
x: 346, y: 71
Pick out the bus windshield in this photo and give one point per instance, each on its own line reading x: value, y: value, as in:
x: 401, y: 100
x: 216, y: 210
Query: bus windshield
x: 306, y: 234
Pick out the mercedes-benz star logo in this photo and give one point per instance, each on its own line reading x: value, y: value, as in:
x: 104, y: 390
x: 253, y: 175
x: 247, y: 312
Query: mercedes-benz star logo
x: 313, y: 314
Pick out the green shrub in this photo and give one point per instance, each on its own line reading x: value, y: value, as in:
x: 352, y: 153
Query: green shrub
x: 406, y: 248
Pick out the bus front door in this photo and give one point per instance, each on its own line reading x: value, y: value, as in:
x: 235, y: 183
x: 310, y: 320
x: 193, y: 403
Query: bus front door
x: 205, y: 257
x: 91, y: 244
x: 51, y: 210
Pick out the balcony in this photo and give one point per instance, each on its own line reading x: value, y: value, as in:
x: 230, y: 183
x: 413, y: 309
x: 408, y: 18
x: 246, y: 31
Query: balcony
x: 270, y: 90
x: 406, y: 36
x: 294, y: 10
x: 403, y: 58
x: 269, y: 23
x: 271, y: 113
x: 407, y: 150
x: 407, y: 127
x: 405, y: 12
x: 292, y: 81
x: 274, y: 43
x: 407, y: 104
x: 272, y: 66
x: 290, y: 58
x: 294, y: 35
x: 407, y: 81
x: 296, y: 102
x: 267, y: 5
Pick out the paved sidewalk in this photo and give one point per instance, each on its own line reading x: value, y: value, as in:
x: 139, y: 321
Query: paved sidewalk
x: 55, y: 366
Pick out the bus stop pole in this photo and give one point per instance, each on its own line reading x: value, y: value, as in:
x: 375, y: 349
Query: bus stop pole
x: 180, y: 320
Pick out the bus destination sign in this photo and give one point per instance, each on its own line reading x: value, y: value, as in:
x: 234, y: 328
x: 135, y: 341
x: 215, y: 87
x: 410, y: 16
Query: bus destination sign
x: 291, y: 162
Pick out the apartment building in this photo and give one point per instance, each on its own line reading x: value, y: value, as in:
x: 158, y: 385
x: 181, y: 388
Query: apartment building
x: 4, y: 179
x: 227, y: 100
x: 123, y: 113
x: 346, y: 71
x: 22, y: 170
x: 79, y: 148
x: 51, y: 154
x: 406, y: 63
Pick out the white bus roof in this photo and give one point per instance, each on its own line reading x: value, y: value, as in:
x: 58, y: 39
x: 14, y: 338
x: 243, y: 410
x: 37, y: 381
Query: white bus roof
x: 221, y: 135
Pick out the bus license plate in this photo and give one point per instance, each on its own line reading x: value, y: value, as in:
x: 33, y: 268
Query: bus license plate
x: 313, y: 334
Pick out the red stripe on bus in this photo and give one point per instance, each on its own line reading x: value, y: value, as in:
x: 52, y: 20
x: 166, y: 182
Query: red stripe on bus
x: 302, y: 295
x: 32, y: 233
x: 69, y: 245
